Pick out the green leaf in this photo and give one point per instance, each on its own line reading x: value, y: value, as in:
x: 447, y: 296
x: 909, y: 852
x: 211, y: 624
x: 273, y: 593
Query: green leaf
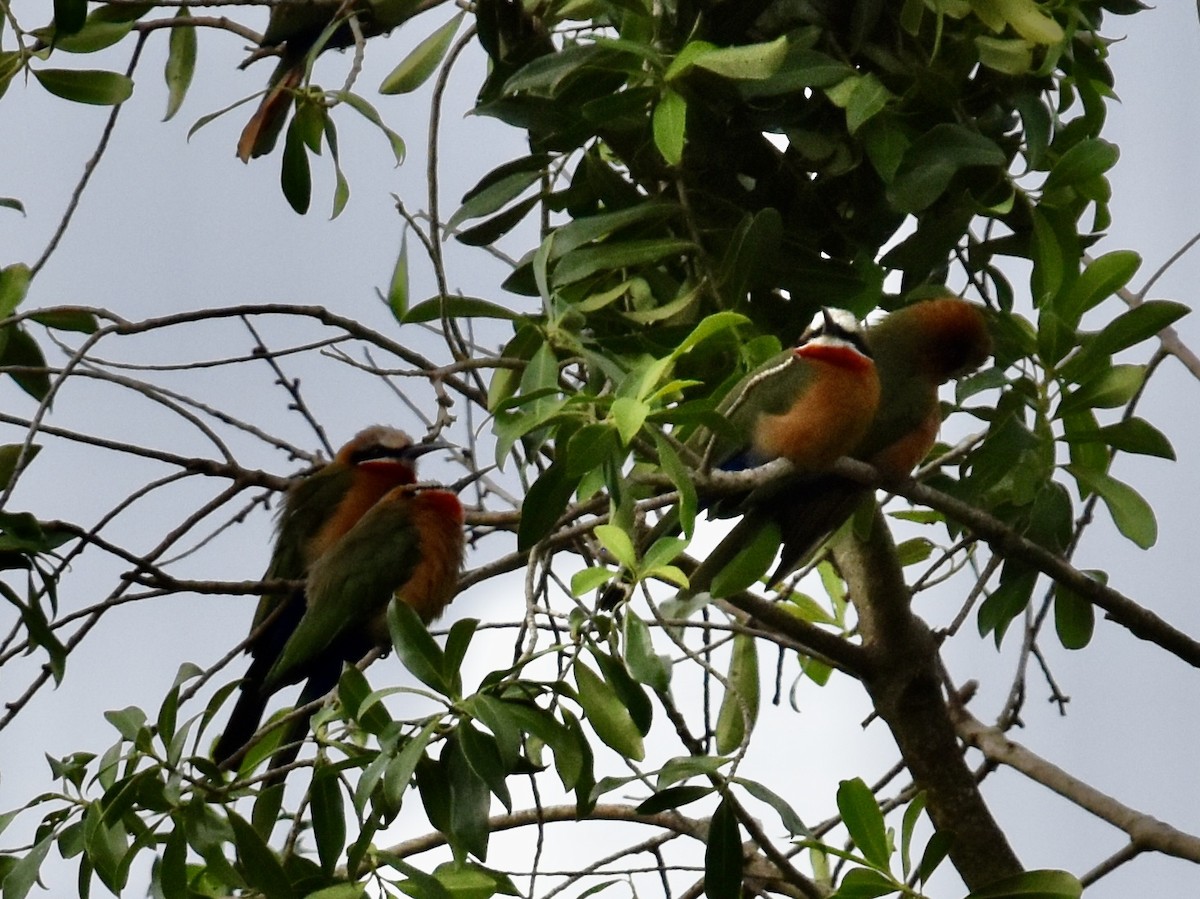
x: 868, y: 99
x: 354, y: 693
x: 10, y: 202
x: 1074, y: 616
x: 629, y: 415
x: 672, y: 797
x: 21, y: 877
x: 1102, y: 277
x: 328, y: 817
x: 14, y: 285
x: 912, y: 814
x: 1142, y: 322
x: 1133, y: 516
x: 259, y: 865
x: 21, y: 353
x: 787, y: 814
x: 644, y: 663
x: 490, y: 230
x: 1136, y: 435
x: 181, y: 61
x: 397, y: 295
x: 457, y: 307
x: 1086, y: 160
x: 680, y: 477
x: 932, y: 161
x: 523, y: 171
x: 415, y: 648
x: 588, y: 579
x: 295, y: 178
x: 9, y: 454
x: 483, y: 755
x: 69, y: 16
x: 864, y: 820
x: 670, y: 126
x: 1033, y: 885
x: 1114, y: 387
x: 544, y: 503
x: 740, y: 704
x: 591, y: 228
x: 67, y: 318
x: 423, y: 61
x: 1012, y: 56
x: 723, y: 859
x: 617, y: 541
x: 1028, y: 20
x: 1007, y: 601
x: 606, y: 713
x: 92, y: 86
x: 470, y: 799
x: 864, y: 883
x: 745, y: 62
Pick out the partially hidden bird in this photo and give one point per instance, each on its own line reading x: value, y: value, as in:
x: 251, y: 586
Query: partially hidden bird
x: 915, y: 350
x: 297, y: 27
x: 810, y: 404
x: 357, y: 533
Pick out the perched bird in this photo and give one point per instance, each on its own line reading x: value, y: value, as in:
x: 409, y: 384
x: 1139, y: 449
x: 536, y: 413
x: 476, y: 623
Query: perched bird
x: 916, y: 349
x: 296, y: 27
x: 810, y: 405
x: 357, y: 533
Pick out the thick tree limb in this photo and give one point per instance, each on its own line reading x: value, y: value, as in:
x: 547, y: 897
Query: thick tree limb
x: 905, y: 686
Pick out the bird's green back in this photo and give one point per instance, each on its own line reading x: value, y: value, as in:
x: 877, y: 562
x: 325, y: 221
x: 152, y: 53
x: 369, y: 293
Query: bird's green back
x: 350, y: 586
x: 308, y: 505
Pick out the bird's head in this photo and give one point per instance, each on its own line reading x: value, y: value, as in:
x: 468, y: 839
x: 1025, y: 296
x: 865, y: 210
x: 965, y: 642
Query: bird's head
x: 941, y: 338
x: 383, y: 449
x: 835, y: 336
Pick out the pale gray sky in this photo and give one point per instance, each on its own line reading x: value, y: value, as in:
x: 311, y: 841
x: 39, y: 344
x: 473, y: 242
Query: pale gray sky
x: 169, y: 225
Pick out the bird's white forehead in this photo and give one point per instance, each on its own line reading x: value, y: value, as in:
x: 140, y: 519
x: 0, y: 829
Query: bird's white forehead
x: 843, y: 318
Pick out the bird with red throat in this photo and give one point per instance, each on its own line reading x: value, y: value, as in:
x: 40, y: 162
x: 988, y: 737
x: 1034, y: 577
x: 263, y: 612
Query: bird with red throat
x: 357, y: 534
x: 914, y: 350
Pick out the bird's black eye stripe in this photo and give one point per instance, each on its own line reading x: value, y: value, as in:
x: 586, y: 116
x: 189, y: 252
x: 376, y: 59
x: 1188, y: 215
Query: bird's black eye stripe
x: 367, y: 453
x: 829, y: 326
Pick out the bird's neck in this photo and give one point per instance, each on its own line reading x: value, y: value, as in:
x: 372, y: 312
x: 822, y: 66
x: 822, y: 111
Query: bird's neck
x: 367, y: 487
x: 839, y: 356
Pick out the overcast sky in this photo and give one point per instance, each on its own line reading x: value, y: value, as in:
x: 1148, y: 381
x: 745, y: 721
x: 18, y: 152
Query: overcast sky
x: 170, y: 225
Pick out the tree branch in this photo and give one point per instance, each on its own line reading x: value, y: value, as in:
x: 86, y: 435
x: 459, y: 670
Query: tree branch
x: 904, y: 682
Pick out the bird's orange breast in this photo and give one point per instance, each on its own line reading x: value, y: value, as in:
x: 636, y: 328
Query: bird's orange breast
x: 369, y: 485
x: 828, y: 419
x: 437, y: 516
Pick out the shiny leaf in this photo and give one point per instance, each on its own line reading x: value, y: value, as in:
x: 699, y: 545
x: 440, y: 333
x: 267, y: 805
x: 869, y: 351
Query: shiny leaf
x: 723, y: 859
x: 423, y: 61
x: 1133, y: 516
x: 607, y: 714
x: 181, y: 61
x: 740, y: 704
x: 86, y: 85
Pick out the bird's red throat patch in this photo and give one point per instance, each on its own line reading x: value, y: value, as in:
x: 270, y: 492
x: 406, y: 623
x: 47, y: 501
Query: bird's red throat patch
x: 841, y: 356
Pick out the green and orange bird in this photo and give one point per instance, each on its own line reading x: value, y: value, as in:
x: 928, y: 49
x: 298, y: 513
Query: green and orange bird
x: 358, y: 534
x: 810, y: 405
x: 915, y: 349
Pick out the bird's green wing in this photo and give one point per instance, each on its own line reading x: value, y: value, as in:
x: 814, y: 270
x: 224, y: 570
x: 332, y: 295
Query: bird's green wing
x: 349, y: 587
x: 769, y: 389
x: 307, y: 507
